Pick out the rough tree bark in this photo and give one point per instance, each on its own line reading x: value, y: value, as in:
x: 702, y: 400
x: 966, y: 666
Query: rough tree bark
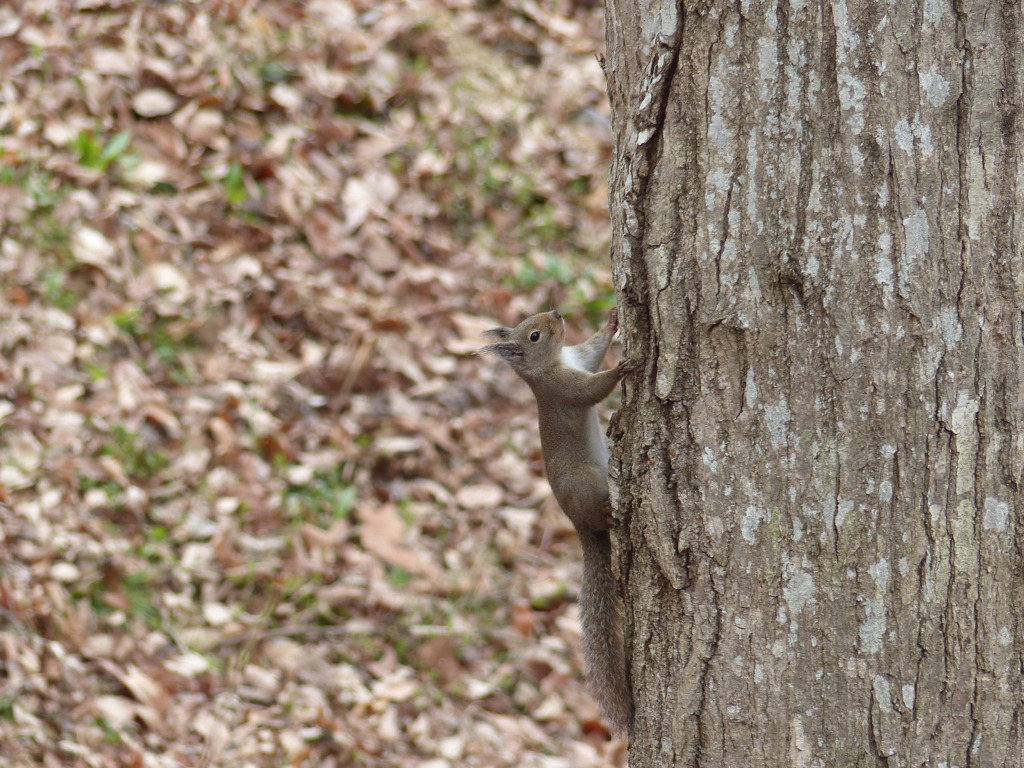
x: 818, y: 250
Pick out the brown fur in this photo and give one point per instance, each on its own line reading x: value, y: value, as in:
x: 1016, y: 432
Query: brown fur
x: 576, y: 463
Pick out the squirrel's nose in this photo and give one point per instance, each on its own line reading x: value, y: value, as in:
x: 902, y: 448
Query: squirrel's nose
x: 556, y: 314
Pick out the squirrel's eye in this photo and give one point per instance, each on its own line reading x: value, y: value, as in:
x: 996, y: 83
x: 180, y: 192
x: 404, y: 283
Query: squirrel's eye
x: 535, y: 336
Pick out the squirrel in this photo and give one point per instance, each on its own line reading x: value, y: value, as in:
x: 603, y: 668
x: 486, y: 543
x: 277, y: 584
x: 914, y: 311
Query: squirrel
x: 567, y: 386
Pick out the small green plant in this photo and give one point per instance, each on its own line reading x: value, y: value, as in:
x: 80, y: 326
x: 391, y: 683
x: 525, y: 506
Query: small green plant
x: 159, y: 335
x: 42, y: 229
x: 94, y: 154
x: 154, y: 549
x: 45, y: 189
x: 275, y: 72
x: 595, y: 297
x: 54, y: 283
x: 138, y: 461
x: 110, y: 732
x: 578, y: 187
x: 50, y: 235
x: 234, y: 184
x: 164, y: 188
x: 399, y: 577
x: 96, y: 372
x: 478, y: 604
x: 141, y: 597
x: 326, y: 498
x: 406, y: 512
x: 109, y: 487
x: 530, y: 275
x: 7, y: 707
x: 128, y: 321
x: 138, y: 591
x: 170, y: 347
x: 402, y: 648
x: 545, y: 602
x: 596, y: 303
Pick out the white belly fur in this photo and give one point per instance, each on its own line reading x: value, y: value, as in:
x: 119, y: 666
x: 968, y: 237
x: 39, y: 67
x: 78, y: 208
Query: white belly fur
x: 572, y: 359
x: 597, y: 446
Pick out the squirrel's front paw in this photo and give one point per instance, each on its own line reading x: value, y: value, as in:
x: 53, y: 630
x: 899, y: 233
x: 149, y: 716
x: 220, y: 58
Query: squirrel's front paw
x: 628, y: 365
x: 613, y: 321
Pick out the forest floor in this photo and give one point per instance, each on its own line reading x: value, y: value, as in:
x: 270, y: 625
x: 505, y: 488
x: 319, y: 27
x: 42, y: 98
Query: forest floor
x: 260, y: 504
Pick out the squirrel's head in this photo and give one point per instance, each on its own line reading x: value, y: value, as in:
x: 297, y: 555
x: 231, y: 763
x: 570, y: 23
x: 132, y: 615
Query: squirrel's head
x: 532, y: 344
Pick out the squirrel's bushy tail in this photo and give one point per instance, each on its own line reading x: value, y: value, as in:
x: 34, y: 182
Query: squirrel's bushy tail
x: 601, y: 618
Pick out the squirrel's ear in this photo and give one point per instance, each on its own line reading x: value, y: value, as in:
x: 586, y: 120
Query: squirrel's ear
x: 506, y: 350
x: 498, y: 333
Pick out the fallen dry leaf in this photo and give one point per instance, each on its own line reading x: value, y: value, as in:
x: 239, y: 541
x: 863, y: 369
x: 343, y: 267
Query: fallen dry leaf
x: 483, y: 496
x: 383, y: 532
x: 153, y: 102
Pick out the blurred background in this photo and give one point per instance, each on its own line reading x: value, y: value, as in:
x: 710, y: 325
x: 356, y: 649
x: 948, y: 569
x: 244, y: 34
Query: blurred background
x: 260, y: 504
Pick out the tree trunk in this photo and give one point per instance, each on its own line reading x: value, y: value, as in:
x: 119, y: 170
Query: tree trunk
x: 817, y: 247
